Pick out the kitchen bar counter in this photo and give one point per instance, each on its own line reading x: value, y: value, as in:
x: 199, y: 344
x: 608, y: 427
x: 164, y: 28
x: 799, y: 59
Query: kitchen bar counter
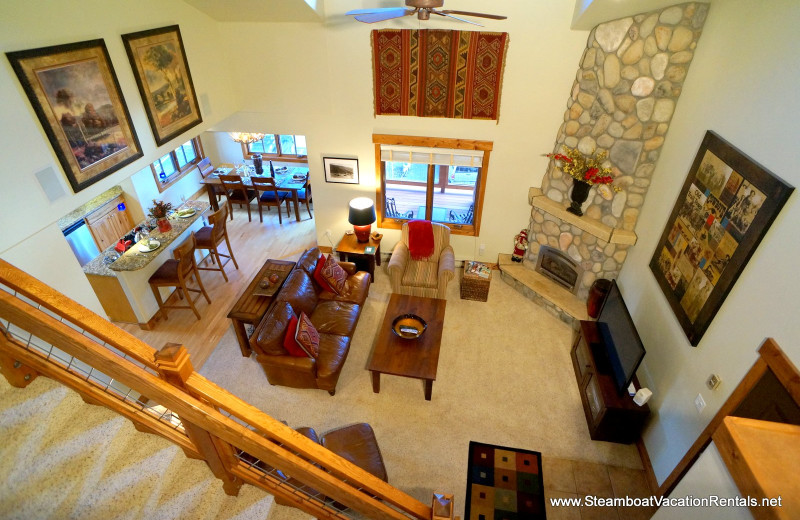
x: 122, y: 287
x: 133, y: 259
x: 87, y: 208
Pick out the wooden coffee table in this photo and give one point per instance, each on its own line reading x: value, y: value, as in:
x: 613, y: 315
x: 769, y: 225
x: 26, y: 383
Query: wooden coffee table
x: 417, y: 358
x: 251, y: 306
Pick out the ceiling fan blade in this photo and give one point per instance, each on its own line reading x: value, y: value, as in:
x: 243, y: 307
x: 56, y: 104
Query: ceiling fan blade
x: 482, y: 15
x: 388, y: 14
x: 440, y: 13
x: 373, y: 10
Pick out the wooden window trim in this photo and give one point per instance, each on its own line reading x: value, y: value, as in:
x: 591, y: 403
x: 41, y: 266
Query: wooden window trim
x: 431, y: 142
x: 182, y: 172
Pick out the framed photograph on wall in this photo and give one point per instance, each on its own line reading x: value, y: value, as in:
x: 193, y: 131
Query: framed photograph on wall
x: 162, y: 73
x: 725, y: 208
x: 76, y: 96
x: 341, y: 170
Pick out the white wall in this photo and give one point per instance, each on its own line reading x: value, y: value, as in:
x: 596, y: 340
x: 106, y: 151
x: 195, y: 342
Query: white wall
x: 743, y: 85
x: 27, y: 218
x: 320, y: 85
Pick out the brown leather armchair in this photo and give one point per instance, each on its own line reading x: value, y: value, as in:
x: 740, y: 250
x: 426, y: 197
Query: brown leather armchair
x: 334, y: 316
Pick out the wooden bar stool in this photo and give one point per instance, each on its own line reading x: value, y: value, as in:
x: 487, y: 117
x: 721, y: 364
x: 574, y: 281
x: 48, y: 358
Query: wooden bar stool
x: 237, y: 193
x: 175, y: 273
x: 210, y: 237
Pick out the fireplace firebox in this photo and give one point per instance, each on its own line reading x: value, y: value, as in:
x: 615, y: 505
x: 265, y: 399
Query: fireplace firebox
x: 560, y: 268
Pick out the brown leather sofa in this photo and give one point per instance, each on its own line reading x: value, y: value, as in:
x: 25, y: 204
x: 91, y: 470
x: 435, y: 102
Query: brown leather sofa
x: 334, y: 316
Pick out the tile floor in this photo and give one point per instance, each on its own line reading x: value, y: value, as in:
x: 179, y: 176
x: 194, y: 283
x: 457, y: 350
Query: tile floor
x: 572, y: 479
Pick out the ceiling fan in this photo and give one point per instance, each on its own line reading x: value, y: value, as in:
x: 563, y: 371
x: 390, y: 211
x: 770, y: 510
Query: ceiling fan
x: 422, y: 8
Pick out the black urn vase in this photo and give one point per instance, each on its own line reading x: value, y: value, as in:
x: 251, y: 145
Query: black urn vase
x: 580, y: 192
x: 258, y: 163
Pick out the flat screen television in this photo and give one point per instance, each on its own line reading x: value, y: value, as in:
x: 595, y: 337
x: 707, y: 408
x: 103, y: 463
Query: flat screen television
x: 620, y: 338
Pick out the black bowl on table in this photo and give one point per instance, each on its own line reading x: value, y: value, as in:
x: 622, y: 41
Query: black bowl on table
x: 409, y: 326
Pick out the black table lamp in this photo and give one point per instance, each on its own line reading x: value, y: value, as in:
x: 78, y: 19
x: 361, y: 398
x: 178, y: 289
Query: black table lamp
x: 362, y: 215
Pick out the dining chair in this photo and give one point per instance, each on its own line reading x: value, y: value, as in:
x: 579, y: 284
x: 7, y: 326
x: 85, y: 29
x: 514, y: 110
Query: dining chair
x: 269, y: 196
x: 211, y: 237
x: 206, y: 169
x: 175, y: 273
x: 237, y: 193
x: 304, y: 196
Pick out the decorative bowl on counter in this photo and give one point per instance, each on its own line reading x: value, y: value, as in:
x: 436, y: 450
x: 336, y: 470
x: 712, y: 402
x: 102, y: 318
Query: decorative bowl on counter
x: 110, y: 257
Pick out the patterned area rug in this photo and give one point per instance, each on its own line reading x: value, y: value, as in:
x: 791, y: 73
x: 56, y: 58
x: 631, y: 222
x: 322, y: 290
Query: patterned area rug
x: 438, y: 73
x: 504, y: 484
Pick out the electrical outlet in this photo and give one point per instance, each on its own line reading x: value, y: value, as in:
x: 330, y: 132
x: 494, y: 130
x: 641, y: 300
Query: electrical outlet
x: 328, y: 233
x: 713, y: 381
x: 482, y: 249
x: 699, y: 403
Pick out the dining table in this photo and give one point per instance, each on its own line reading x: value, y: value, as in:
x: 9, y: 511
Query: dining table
x: 292, y: 180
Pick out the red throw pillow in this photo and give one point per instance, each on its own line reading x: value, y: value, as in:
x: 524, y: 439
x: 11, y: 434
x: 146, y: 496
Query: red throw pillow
x: 318, y: 275
x: 333, y: 273
x: 307, y: 336
x: 289, y: 342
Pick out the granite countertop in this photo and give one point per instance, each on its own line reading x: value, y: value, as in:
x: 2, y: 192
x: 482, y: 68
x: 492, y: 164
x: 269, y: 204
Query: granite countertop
x: 133, y: 259
x: 94, y: 204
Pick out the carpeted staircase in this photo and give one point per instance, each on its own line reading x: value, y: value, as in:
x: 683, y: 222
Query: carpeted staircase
x: 62, y: 458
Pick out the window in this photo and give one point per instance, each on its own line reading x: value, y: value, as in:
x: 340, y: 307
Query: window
x: 441, y: 180
x: 289, y: 148
x: 168, y: 169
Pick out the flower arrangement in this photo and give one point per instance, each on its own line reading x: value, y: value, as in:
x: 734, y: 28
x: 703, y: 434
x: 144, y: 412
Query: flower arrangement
x: 160, y: 209
x: 588, y: 169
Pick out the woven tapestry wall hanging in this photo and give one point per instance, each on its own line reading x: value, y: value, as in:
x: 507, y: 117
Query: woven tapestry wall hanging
x: 438, y: 73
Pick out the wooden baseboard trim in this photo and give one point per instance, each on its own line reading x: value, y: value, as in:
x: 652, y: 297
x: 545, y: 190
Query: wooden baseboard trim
x: 649, y: 472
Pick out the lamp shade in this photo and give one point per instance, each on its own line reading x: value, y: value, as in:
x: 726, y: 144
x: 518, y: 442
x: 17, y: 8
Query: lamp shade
x: 362, y: 212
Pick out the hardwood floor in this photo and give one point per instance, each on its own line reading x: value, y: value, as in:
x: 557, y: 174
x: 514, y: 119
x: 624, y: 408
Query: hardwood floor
x: 253, y: 243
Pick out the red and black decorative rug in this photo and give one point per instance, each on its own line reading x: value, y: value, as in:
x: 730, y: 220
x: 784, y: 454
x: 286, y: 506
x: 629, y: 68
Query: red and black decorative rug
x: 504, y: 484
x: 438, y: 73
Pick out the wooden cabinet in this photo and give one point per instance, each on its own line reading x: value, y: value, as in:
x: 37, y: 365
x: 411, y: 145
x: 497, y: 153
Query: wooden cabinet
x: 611, y: 416
x: 108, y: 223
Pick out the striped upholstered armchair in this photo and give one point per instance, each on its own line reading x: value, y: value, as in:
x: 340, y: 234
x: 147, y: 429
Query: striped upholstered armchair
x: 428, y: 277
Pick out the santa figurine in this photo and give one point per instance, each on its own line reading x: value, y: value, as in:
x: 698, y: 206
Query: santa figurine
x: 520, y: 245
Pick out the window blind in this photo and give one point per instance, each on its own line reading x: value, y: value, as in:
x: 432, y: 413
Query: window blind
x: 418, y: 154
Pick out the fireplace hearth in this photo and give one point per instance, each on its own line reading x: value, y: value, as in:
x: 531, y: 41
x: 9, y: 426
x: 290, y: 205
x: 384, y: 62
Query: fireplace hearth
x: 560, y: 268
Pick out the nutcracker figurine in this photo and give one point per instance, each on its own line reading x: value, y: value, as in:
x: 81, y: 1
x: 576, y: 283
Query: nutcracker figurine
x: 520, y: 245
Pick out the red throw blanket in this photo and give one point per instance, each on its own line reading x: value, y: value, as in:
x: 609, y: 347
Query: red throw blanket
x: 420, y: 239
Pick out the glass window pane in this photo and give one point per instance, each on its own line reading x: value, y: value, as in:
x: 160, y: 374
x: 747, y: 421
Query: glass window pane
x: 269, y: 144
x: 287, y: 145
x: 257, y: 147
x: 456, y: 202
x: 189, y: 151
x: 181, y: 157
x: 300, y: 142
x: 167, y: 165
x: 157, y: 167
x: 407, y: 172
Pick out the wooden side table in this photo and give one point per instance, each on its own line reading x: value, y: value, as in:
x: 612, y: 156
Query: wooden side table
x: 351, y: 250
x: 251, y: 307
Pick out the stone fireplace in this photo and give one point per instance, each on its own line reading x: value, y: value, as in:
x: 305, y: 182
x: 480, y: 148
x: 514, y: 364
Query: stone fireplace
x: 626, y: 89
x: 559, y: 267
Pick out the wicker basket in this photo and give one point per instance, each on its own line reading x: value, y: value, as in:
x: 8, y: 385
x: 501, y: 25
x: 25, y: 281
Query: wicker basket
x: 474, y: 286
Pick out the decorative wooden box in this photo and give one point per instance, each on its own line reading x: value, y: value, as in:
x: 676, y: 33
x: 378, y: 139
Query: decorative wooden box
x: 475, y: 281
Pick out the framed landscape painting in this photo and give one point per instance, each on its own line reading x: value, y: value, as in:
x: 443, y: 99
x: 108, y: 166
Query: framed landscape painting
x: 725, y: 208
x: 76, y: 96
x: 341, y: 170
x: 159, y: 65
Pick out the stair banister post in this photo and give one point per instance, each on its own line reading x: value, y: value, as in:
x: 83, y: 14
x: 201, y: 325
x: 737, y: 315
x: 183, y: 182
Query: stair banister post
x: 175, y: 367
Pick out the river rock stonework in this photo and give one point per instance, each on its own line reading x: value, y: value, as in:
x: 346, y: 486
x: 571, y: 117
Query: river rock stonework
x: 625, y: 92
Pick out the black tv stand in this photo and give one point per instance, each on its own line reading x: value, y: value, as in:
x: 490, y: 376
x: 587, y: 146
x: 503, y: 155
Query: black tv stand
x: 611, y: 416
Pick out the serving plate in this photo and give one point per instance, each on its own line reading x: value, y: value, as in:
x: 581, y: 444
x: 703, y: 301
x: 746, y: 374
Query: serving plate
x: 409, y: 326
x: 154, y: 244
x: 187, y: 215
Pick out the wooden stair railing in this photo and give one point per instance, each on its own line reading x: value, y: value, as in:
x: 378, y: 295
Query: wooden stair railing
x: 206, y: 421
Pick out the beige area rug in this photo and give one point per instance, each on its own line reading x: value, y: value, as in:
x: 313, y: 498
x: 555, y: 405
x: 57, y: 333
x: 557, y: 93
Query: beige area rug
x: 505, y: 377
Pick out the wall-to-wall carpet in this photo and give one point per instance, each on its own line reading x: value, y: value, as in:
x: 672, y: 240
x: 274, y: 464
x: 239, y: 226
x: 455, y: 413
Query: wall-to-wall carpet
x: 438, y: 73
